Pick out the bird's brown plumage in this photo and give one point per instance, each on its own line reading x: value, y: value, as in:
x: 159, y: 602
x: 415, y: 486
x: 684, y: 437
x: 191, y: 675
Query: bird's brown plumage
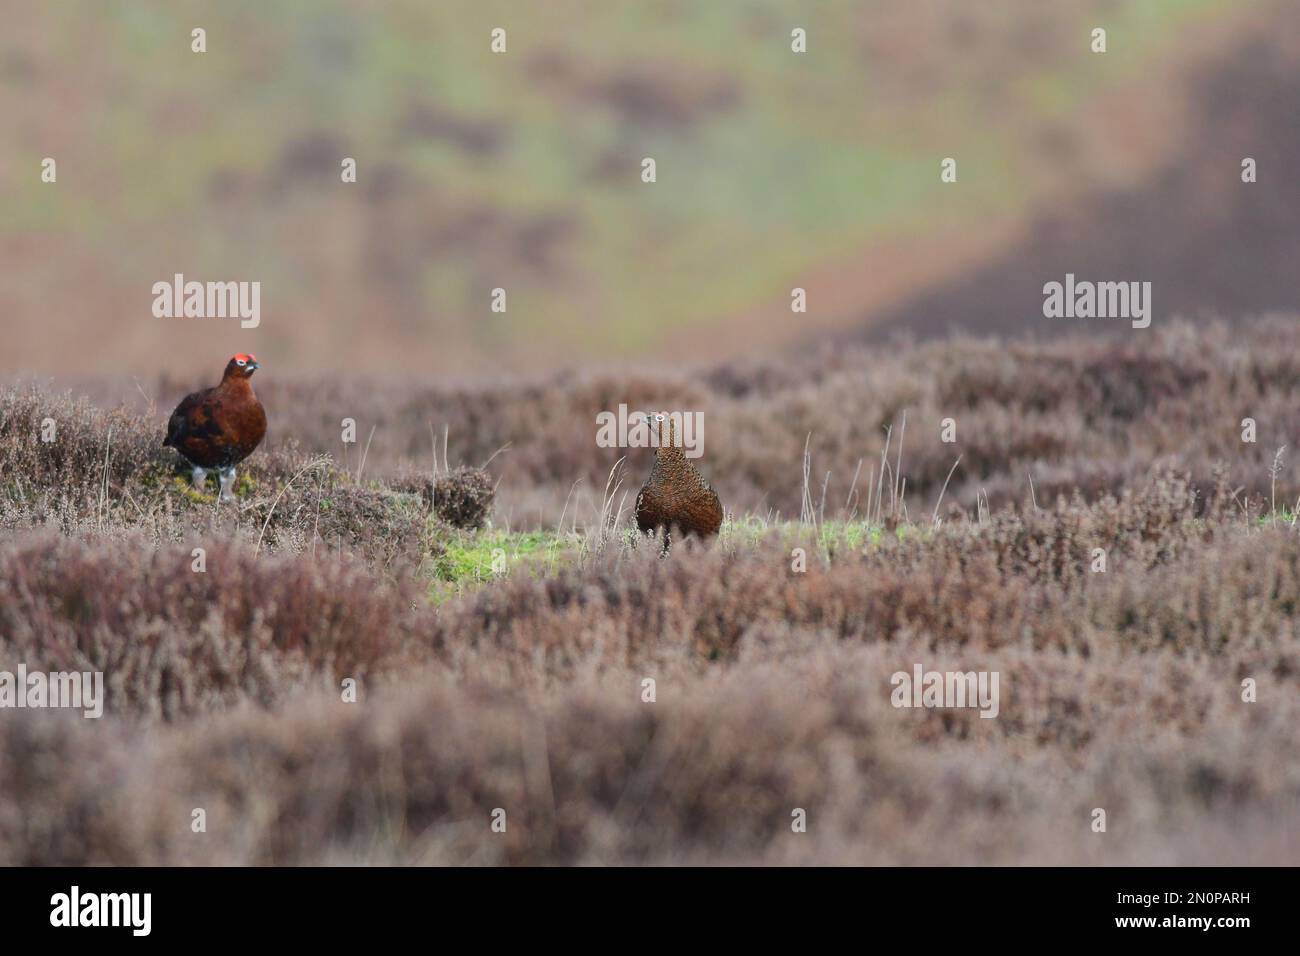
x: 219, y: 427
x: 676, y: 497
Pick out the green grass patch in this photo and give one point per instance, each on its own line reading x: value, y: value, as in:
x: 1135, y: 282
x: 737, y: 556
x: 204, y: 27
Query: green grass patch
x: 471, y: 560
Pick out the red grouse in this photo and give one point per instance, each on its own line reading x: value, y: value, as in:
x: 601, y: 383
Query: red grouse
x: 676, y: 496
x: 219, y: 427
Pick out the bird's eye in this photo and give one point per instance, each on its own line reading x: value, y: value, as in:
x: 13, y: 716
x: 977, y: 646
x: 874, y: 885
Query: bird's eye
x: 240, y: 362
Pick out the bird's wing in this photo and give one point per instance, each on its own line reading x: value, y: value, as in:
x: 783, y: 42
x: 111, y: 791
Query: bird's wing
x: 192, y: 416
x: 176, y: 424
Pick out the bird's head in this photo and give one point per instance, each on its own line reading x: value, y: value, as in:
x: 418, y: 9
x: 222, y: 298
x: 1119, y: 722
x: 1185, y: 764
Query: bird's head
x: 241, y: 366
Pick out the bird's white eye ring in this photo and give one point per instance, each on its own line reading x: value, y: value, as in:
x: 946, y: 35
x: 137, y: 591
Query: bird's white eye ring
x: 240, y: 362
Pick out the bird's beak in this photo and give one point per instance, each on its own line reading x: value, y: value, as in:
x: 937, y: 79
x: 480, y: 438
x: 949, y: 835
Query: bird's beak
x: 253, y: 367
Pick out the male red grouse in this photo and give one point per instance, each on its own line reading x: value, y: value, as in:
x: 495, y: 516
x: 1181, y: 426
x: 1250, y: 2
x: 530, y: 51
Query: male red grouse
x: 676, y: 496
x: 219, y: 427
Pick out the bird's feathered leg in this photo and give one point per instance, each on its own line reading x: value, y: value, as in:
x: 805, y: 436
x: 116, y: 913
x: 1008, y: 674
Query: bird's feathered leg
x: 198, y: 477
x: 227, y: 483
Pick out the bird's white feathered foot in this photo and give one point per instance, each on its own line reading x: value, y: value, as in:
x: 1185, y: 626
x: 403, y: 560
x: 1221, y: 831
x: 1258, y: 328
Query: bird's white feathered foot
x: 227, y: 476
x: 197, y: 478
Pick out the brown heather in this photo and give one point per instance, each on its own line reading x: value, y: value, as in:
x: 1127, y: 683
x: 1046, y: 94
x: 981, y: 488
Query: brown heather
x: 1119, y: 690
x: 1085, y: 414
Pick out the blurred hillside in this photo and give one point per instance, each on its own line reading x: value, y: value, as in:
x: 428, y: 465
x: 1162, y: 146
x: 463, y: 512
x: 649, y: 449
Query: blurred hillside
x: 522, y: 170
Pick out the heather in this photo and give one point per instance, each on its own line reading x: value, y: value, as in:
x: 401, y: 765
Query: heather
x: 1091, y: 414
x: 502, y: 663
